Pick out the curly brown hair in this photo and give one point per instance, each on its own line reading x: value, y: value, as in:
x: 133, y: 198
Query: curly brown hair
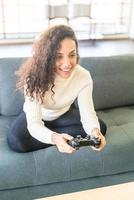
x: 38, y: 72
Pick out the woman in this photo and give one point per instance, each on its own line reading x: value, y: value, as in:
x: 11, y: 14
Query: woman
x: 52, y: 80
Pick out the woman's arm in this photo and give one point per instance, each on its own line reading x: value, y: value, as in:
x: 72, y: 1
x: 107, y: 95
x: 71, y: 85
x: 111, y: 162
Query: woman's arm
x: 86, y: 108
x: 88, y: 115
x: 39, y: 131
x: 35, y: 124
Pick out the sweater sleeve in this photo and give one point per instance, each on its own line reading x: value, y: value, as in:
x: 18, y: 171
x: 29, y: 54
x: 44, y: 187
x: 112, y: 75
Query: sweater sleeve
x: 35, y: 124
x: 88, y: 115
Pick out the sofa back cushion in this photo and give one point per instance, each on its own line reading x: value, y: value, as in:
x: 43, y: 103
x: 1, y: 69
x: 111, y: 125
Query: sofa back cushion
x: 113, y: 79
x: 11, y: 100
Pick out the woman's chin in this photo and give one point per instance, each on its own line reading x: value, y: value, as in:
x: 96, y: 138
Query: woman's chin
x: 65, y: 74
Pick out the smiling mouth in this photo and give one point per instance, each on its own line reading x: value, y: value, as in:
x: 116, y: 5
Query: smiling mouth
x: 66, y: 70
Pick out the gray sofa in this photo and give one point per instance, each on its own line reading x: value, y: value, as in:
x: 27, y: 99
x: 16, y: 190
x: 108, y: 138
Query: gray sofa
x: 47, y: 172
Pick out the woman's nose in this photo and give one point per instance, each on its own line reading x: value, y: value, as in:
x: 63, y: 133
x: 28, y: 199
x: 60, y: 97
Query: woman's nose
x: 66, y: 61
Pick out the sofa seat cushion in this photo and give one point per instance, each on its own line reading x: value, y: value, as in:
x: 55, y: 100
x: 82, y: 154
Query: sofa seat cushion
x: 117, y: 116
x: 5, y: 123
x: 50, y: 166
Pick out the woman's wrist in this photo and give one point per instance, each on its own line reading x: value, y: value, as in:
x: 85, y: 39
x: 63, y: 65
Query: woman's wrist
x: 54, y: 138
x: 95, y: 131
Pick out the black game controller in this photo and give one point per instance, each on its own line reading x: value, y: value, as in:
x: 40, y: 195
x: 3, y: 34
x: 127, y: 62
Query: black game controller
x: 87, y: 141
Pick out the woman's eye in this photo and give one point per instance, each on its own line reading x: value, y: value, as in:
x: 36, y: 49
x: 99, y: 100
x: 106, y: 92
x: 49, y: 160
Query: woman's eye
x: 72, y: 55
x: 58, y: 57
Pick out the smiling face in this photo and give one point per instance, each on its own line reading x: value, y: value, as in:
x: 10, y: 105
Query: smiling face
x: 66, y: 58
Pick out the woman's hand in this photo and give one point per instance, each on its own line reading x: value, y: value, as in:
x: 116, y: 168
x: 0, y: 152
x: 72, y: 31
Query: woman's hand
x: 60, y: 140
x: 97, y: 134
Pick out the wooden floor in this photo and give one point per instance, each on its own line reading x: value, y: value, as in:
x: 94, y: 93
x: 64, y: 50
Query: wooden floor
x: 123, y: 191
x: 86, y: 48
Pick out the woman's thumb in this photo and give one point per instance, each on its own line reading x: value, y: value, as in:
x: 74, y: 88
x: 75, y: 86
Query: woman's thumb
x: 67, y: 137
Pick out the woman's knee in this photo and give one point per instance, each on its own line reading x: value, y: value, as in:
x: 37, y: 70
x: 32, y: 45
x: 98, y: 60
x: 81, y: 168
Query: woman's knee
x: 16, y: 132
x: 15, y: 144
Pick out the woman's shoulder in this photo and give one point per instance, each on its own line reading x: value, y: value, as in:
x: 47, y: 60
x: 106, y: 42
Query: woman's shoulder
x: 82, y: 72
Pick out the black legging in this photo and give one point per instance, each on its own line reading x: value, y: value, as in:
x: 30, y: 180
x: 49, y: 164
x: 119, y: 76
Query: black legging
x: 20, y: 140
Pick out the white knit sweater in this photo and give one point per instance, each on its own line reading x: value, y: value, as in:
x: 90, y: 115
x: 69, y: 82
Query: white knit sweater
x: 79, y: 85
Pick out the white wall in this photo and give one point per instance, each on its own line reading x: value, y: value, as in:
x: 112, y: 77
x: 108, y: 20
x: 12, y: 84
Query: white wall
x: 132, y: 21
